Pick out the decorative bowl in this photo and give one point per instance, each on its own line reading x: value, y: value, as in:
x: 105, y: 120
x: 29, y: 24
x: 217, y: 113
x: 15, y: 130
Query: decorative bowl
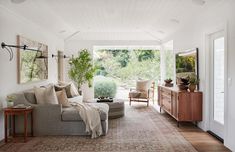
x: 168, y: 81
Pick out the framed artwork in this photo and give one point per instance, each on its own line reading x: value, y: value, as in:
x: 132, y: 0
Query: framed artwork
x: 32, y: 65
x: 187, y: 64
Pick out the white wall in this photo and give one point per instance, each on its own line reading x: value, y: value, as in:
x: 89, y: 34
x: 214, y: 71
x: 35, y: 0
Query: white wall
x: 74, y: 46
x: 10, y: 26
x: 194, y: 35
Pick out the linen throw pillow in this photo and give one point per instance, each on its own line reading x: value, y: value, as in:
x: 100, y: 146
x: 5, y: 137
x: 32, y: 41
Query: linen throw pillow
x: 62, y: 98
x: 142, y: 85
x: 71, y: 89
x: 46, y: 95
x: 30, y: 96
x: 66, y: 88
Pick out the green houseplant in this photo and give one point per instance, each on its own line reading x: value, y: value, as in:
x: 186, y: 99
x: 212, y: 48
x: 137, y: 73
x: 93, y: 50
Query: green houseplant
x: 193, y: 82
x: 81, y: 69
x: 10, y: 99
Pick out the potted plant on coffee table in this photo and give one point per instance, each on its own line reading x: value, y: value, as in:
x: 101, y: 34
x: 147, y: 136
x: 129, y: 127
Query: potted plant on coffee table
x: 193, y: 82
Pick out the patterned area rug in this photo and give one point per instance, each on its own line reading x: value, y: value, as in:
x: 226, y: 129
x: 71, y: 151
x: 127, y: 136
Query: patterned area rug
x: 142, y: 129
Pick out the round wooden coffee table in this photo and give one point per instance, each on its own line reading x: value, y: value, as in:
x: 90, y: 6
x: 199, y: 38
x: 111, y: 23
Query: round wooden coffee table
x: 116, y: 108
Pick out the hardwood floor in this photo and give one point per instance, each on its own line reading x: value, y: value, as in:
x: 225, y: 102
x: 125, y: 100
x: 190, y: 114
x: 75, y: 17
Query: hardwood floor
x: 201, y: 141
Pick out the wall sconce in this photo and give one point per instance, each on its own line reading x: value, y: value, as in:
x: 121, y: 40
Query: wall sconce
x: 59, y: 56
x: 23, y: 47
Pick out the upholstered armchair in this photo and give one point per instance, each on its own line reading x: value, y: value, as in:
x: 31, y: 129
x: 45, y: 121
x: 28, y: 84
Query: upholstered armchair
x: 141, y: 92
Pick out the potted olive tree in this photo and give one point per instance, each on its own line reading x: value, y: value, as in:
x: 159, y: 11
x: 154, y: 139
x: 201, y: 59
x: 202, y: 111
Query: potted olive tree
x: 81, y: 69
x: 193, y: 82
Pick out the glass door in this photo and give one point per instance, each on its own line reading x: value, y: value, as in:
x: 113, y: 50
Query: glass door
x: 217, y: 84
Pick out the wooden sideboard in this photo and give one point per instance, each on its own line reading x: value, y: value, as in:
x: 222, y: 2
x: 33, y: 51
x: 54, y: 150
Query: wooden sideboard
x: 181, y: 105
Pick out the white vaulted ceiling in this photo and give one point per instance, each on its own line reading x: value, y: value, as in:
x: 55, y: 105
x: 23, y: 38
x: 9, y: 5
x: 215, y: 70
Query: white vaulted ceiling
x: 111, y: 19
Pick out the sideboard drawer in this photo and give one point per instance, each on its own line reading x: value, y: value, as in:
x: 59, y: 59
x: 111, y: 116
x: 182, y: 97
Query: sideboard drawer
x: 166, y: 99
x: 167, y: 104
x: 166, y: 92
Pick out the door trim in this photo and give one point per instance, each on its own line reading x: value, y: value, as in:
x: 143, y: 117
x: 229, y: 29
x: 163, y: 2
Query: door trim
x: 215, y: 127
x: 217, y: 137
x: 208, y: 73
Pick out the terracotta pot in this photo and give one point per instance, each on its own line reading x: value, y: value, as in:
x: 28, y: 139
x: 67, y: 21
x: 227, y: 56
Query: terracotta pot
x: 192, y: 87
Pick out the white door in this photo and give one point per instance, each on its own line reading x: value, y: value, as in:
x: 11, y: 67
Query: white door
x: 217, y: 82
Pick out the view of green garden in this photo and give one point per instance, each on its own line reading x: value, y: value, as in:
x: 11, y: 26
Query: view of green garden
x: 122, y: 67
x: 125, y: 66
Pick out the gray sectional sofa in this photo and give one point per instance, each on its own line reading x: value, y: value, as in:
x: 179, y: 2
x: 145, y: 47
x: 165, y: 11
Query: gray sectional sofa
x: 54, y: 119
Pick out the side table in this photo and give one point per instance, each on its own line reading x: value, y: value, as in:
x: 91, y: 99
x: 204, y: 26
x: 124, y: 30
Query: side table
x: 14, y: 112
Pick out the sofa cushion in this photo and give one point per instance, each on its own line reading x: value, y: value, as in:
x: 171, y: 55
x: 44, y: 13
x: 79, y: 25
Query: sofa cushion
x: 142, y: 85
x: 62, y: 98
x: 46, y: 95
x: 76, y: 99
x: 72, y: 114
x: 66, y: 88
x: 19, y: 98
x: 73, y: 90
x: 134, y: 94
x: 138, y: 94
x: 30, y: 97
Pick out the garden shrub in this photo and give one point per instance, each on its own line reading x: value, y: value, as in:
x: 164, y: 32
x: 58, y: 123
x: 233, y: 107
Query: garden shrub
x: 104, y: 87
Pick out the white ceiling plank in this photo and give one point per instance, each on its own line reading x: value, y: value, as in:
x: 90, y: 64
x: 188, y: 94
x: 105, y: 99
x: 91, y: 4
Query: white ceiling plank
x: 111, y: 19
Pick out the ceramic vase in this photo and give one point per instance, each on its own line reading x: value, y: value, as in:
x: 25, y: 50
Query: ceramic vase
x: 192, y: 87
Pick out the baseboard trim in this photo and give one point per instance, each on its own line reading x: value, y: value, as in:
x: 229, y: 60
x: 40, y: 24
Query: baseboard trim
x: 216, y: 136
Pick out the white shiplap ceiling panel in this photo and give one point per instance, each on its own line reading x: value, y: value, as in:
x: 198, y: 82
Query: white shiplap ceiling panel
x: 111, y: 19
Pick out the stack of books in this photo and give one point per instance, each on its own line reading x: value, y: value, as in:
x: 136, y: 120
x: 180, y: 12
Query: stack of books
x: 106, y: 99
x: 21, y: 106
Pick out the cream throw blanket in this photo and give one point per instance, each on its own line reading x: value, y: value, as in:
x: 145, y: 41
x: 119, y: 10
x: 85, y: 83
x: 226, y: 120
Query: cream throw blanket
x: 91, y: 117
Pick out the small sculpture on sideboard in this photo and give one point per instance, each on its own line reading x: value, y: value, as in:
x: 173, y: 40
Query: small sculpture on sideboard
x: 183, y: 84
x: 168, y: 82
